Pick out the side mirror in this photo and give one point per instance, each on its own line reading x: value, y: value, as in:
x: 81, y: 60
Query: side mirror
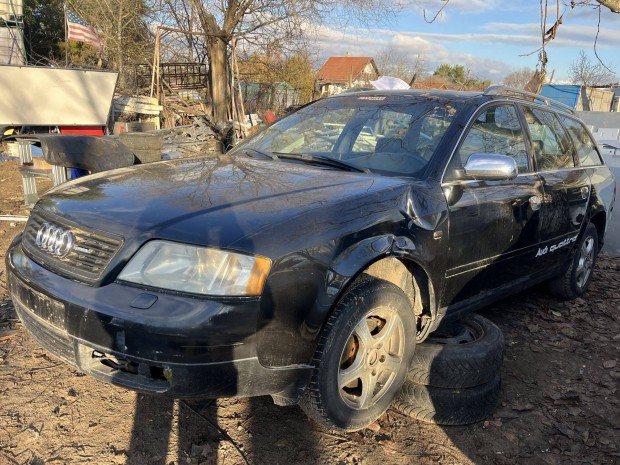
x: 490, y: 167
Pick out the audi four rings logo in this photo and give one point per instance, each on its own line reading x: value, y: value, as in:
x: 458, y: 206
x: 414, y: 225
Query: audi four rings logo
x: 54, y: 240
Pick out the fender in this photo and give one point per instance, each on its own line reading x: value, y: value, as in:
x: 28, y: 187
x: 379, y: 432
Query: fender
x: 304, y: 286
x: 394, y: 258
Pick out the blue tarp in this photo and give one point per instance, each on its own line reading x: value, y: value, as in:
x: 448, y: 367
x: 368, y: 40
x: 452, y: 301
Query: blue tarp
x: 563, y: 93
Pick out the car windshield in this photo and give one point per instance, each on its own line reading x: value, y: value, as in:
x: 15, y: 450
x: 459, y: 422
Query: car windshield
x: 380, y: 134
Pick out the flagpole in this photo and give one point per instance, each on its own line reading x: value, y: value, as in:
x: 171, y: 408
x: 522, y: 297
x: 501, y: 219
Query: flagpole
x: 66, y: 39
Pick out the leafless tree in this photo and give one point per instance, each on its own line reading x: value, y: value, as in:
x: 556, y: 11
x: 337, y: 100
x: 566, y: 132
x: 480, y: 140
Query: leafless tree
x: 123, y: 26
x: 587, y: 72
x: 392, y: 61
x: 519, y: 78
x: 256, y: 22
x: 180, y: 14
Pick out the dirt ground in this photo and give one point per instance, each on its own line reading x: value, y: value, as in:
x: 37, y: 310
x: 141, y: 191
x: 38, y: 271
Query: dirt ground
x: 560, y: 400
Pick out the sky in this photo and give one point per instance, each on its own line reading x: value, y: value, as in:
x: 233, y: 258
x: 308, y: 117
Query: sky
x: 490, y: 37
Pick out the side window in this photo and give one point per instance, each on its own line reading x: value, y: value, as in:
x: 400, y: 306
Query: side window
x: 584, y: 146
x: 550, y: 143
x: 496, y: 130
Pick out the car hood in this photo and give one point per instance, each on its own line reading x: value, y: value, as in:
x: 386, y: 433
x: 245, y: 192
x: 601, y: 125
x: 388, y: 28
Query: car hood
x: 218, y: 201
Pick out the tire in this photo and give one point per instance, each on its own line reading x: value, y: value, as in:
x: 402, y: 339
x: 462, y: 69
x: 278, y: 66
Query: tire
x: 142, y: 141
x: 574, y: 282
x: 147, y: 156
x: 466, y: 354
x: 369, y: 340
x: 444, y: 406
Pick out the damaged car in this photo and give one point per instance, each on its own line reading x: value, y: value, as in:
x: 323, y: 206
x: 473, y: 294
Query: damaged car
x: 308, y: 262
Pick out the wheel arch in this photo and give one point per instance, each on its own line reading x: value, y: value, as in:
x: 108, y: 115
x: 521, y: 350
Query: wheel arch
x: 409, y: 275
x: 599, y: 220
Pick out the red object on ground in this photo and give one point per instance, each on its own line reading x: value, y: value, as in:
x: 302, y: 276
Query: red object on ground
x: 269, y: 117
x: 84, y: 130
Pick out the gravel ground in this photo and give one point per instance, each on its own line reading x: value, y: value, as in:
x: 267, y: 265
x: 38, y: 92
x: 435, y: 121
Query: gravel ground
x: 560, y: 401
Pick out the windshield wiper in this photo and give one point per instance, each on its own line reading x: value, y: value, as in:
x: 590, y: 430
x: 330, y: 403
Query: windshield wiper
x: 249, y: 151
x: 322, y: 160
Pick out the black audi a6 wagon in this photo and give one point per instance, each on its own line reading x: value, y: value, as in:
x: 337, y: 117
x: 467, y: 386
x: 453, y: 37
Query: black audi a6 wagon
x: 307, y: 262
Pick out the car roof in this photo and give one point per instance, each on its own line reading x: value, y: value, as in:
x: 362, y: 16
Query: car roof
x: 439, y: 94
x: 458, y: 96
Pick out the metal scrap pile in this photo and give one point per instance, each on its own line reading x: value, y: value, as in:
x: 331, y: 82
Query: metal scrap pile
x: 200, y: 138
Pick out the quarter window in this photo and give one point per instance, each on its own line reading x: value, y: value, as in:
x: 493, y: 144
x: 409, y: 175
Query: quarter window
x: 496, y: 130
x: 550, y: 143
x: 585, y: 148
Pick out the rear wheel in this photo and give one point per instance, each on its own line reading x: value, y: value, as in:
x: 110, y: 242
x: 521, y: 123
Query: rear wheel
x: 362, y: 356
x: 575, y: 281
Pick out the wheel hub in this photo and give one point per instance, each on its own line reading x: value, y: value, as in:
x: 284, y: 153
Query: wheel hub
x: 371, y: 358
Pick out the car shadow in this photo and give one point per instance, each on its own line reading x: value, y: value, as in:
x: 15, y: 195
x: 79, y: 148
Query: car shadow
x: 209, y: 432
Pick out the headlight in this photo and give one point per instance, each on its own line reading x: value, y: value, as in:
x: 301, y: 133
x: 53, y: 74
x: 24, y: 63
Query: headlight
x: 198, y: 270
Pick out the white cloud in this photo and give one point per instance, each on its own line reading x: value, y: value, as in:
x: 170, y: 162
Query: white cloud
x: 415, y: 44
x: 337, y: 43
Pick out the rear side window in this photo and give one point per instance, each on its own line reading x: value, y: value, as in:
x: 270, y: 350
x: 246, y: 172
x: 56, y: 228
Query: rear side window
x: 584, y: 146
x: 550, y: 142
x: 496, y: 130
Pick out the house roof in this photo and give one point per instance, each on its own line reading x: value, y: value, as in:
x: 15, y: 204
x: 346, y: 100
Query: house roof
x: 343, y: 69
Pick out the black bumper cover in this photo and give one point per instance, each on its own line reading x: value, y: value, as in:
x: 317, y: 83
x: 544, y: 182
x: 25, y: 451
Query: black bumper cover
x: 180, y: 346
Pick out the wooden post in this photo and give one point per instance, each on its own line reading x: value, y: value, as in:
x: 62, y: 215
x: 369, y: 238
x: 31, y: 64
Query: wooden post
x: 236, y: 71
x: 155, y: 60
x: 66, y: 38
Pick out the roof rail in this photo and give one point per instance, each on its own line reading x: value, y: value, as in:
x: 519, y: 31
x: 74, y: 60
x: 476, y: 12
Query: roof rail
x: 499, y: 90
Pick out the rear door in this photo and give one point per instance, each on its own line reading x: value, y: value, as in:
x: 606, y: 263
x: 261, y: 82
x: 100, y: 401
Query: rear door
x: 493, y: 225
x: 566, y: 186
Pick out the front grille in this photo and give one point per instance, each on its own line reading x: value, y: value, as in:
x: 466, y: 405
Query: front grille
x: 89, y: 256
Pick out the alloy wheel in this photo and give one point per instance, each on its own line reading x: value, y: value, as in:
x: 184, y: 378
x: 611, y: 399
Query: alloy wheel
x: 371, y: 358
x: 585, y: 261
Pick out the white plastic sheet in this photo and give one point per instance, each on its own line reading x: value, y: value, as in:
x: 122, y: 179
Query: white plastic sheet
x: 389, y: 83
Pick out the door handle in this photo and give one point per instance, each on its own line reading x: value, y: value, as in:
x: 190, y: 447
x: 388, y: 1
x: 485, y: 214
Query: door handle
x: 536, y: 202
x: 584, y: 192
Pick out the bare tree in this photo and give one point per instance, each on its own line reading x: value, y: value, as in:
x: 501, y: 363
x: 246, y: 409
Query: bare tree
x: 392, y: 61
x: 256, y: 22
x: 182, y: 15
x: 519, y: 78
x: 123, y: 26
x: 587, y: 72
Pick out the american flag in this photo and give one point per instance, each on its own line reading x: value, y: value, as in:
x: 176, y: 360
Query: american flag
x: 81, y: 31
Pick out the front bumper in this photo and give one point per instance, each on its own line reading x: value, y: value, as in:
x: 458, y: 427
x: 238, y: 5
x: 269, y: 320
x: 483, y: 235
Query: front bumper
x: 178, y: 346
